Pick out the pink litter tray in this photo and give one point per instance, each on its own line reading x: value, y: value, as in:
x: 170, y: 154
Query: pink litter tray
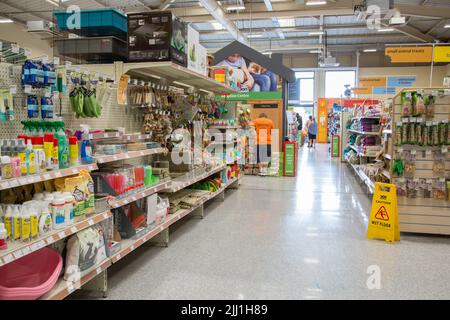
x: 31, y: 276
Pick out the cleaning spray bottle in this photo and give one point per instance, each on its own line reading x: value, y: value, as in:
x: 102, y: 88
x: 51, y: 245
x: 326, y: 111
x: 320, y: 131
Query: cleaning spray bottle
x: 63, y: 149
x: 86, y: 146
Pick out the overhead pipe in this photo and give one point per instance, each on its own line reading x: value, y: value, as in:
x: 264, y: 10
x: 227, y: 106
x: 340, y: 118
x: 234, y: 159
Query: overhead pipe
x: 216, y: 11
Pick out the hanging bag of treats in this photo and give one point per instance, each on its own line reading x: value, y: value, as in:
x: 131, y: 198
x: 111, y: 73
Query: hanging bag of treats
x: 430, y: 100
x: 406, y: 98
x: 418, y: 104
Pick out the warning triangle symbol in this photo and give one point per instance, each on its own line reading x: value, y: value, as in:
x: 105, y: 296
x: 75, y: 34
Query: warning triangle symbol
x: 382, y: 214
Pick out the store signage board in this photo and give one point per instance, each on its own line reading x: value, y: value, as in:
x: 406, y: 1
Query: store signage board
x: 294, y: 90
x: 335, y: 146
x: 243, y: 96
x: 265, y: 106
x: 401, y: 81
x: 409, y: 54
x: 367, y: 90
x: 369, y: 82
x: 289, y: 159
x: 383, y: 90
x: 442, y: 54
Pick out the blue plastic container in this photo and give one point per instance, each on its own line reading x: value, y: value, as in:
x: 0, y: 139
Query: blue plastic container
x: 98, y: 22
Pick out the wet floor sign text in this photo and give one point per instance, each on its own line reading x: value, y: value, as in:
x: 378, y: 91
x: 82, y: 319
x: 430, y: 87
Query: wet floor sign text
x: 383, y: 222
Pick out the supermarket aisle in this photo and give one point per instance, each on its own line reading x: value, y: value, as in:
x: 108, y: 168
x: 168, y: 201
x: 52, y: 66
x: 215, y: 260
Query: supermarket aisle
x: 284, y: 238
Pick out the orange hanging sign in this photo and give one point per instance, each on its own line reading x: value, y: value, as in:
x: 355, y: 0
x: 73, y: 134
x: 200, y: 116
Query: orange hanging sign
x: 410, y: 54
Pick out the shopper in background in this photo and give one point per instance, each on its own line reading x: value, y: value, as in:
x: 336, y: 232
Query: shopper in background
x: 263, y: 127
x: 306, y: 128
x: 312, y: 133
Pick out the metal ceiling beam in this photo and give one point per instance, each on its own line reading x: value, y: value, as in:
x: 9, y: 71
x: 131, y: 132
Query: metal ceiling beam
x: 165, y: 4
x: 356, y: 37
x: 216, y: 11
x: 268, y: 15
x: 292, y: 29
x: 20, y: 8
x: 423, y: 11
x: 441, y: 23
x: 414, y: 33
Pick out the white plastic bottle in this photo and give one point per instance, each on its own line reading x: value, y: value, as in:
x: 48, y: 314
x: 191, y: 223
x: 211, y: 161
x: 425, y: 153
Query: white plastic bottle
x: 25, y: 224
x: 45, y: 219
x: 68, y: 207
x: 58, y: 211
x: 33, y: 207
x: 9, y: 224
x: 17, y: 217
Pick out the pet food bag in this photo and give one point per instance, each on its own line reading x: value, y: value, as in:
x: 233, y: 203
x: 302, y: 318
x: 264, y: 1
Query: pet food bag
x: 85, y: 250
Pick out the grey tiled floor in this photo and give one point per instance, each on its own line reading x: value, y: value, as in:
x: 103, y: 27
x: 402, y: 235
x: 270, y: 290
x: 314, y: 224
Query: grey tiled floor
x: 285, y: 238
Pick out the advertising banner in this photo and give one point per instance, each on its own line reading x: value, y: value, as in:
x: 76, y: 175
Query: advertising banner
x: 253, y: 80
x: 441, y: 54
x: 369, y: 82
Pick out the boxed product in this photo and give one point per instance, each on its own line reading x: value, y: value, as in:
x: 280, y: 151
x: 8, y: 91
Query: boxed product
x: 157, y: 36
x: 193, y: 44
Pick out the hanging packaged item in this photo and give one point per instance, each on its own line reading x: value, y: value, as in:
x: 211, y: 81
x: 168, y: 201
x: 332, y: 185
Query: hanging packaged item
x: 430, y: 100
x: 407, y: 104
x: 85, y: 250
x: 418, y: 104
x: 47, y: 108
x: 32, y: 106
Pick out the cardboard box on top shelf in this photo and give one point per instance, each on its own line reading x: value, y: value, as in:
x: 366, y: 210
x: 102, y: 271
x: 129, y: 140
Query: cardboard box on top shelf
x: 157, y: 36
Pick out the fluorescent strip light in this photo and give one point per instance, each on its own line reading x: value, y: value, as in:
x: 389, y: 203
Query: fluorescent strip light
x: 370, y: 50
x: 267, y: 53
x: 254, y: 36
x: 385, y: 30
x: 315, y: 51
x: 6, y: 21
x: 316, y: 33
x: 216, y: 25
x: 235, y: 8
x: 447, y: 26
x: 154, y: 76
x: 316, y: 3
x: 205, y: 91
x: 286, y: 22
x: 53, y: 3
x: 182, y: 84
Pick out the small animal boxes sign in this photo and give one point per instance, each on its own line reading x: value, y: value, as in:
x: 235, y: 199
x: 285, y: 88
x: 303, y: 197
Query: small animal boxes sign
x: 383, y: 222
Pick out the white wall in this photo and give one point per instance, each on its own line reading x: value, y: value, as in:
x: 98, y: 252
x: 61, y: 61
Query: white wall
x: 17, y: 33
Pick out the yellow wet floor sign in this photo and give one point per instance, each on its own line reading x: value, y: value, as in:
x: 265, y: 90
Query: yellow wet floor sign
x: 383, y: 222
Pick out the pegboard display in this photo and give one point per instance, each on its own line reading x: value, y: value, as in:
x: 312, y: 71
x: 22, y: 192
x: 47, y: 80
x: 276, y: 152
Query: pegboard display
x: 419, y: 213
x: 113, y: 115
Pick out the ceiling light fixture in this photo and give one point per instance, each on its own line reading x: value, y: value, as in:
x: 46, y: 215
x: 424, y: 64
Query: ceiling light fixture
x: 254, y: 36
x: 216, y: 25
x: 370, y: 50
x: 56, y: 4
x: 316, y: 33
x: 315, y: 51
x: 316, y: 3
x: 286, y: 22
x: 235, y: 8
x: 385, y: 30
x: 6, y: 21
x: 447, y: 26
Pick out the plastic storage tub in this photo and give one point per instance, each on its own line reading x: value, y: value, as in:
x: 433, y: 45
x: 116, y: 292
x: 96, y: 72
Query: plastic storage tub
x: 100, y: 22
x: 91, y: 50
x: 31, y: 276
